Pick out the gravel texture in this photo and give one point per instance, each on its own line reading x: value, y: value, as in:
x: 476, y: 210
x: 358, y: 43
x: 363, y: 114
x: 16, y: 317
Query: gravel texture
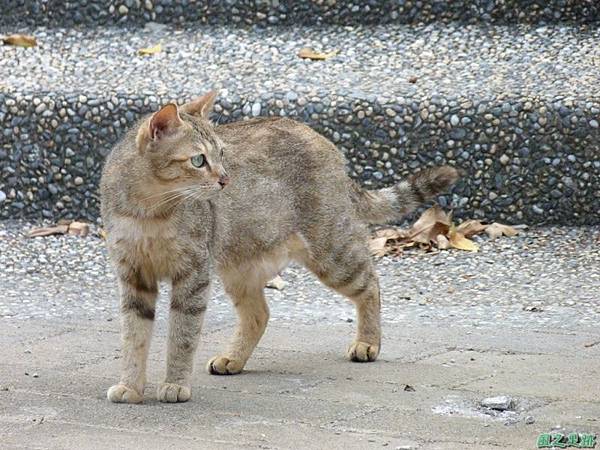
x: 516, y: 108
x: 546, y: 278
x: 282, y: 12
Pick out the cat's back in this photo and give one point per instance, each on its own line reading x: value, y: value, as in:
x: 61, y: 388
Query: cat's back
x: 280, y: 143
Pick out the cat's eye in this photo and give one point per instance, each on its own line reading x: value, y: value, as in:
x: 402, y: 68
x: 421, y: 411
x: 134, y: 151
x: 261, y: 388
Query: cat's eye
x: 198, y: 161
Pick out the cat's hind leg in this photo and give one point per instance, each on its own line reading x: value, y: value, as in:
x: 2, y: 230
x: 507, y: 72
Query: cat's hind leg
x: 345, y: 266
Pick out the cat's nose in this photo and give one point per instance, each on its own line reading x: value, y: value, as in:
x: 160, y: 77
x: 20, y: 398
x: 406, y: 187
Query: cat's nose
x: 223, y: 180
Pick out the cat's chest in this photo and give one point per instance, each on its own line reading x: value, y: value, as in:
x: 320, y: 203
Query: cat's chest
x: 151, y: 245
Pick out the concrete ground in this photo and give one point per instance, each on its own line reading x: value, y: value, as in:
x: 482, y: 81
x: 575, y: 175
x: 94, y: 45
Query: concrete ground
x: 519, y: 318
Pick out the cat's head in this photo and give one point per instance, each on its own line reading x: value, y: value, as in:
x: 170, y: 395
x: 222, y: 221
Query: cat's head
x: 182, y: 150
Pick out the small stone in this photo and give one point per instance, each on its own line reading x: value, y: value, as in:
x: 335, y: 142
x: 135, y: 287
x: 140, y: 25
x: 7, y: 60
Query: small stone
x: 256, y: 107
x: 529, y: 420
x: 78, y: 181
x: 504, y: 160
x: 277, y: 283
x: 594, y: 123
x: 148, y: 5
x: 123, y: 10
x: 40, y: 108
x: 390, y: 112
x: 2, y: 197
x: 35, y: 375
x: 454, y: 120
x: 500, y: 403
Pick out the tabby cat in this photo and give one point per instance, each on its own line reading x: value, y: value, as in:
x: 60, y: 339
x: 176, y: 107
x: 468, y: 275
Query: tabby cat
x: 182, y: 199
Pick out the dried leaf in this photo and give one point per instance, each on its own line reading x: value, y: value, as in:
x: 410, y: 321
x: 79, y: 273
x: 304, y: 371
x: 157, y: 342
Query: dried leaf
x: 102, y: 233
x: 19, y: 40
x: 392, y: 233
x: 459, y: 241
x: 48, y: 231
x: 309, y: 53
x: 442, y: 242
x: 432, y: 222
x: 79, y: 229
x: 277, y: 283
x: 150, y: 50
x: 471, y: 227
x: 63, y: 227
x: 412, y: 79
x: 377, y: 246
x: 497, y: 229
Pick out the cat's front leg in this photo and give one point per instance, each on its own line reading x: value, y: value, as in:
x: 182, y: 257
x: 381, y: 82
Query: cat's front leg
x: 189, y: 298
x: 138, y: 300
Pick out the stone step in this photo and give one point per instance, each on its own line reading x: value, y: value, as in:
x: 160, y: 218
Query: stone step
x: 516, y: 108
x: 290, y: 12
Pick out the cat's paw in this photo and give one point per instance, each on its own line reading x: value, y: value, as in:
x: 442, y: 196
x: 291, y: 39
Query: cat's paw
x: 221, y: 365
x: 362, y: 352
x: 173, y: 393
x: 119, y: 393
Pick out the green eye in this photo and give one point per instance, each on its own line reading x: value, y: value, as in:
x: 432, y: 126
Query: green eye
x: 197, y: 160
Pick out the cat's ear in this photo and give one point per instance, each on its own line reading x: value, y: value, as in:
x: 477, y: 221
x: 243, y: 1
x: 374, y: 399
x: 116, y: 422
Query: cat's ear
x: 164, y: 122
x: 202, y: 106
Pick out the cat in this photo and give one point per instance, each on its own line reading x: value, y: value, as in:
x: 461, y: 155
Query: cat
x: 182, y: 199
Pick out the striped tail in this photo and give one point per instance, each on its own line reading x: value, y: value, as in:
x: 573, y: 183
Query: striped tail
x: 392, y: 203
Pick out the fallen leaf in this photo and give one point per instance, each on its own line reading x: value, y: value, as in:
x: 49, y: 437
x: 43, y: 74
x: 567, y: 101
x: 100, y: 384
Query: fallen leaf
x: 432, y: 222
x: 66, y: 227
x: 412, y: 79
x: 102, y: 233
x: 79, y: 229
x: 277, y: 283
x: 471, y: 227
x: 392, y: 233
x: 377, y: 246
x: 309, y: 53
x: 19, y: 40
x: 459, y: 241
x: 150, y: 50
x: 48, y: 231
x: 442, y: 242
x: 497, y: 229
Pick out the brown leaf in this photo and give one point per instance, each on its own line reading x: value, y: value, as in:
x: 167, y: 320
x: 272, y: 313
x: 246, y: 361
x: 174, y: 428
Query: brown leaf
x: 459, y: 241
x: 309, y: 53
x: 47, y: 231
x: 63, y: 227
x: 471, y: 227
x: 497, y: 229
x: 377, y: 246
x: 412, y: 79
x: 19, y: 40
x: 150, y: 50
x: 432, y: 222
x: 392, y: 233
x: 442, y: 242
x: 79, y: 229
x: 102, y: 233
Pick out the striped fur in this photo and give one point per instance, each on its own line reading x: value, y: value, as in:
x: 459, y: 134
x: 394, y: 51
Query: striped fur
x: 269, y: 191
x: 392, y: 203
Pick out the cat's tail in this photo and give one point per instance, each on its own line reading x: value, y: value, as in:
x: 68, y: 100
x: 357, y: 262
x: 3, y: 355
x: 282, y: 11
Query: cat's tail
x: 392, y: 203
